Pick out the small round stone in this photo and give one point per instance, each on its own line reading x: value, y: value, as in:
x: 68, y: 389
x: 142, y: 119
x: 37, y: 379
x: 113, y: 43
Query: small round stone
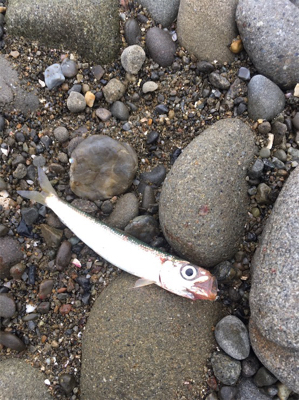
x: 149, y: 86
x: 69, y: 68
x: 120, y: 111
x: 132, y: 59
x: 76, y: 102
x: 265, y: 152
x: 132, y: 31
x: 61, y: 134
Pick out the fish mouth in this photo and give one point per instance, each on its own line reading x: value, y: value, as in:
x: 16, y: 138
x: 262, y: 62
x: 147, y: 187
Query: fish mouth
x: 205, y: 290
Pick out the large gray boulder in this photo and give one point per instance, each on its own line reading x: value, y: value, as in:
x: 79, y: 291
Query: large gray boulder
x: 269, y: 31
x: 274, y: 295
x: 91, y: 28
x: 206, y: 29
x: 203, y: 203
x: 146, y: 343
x: 163, y: 12
x: 19, y: 381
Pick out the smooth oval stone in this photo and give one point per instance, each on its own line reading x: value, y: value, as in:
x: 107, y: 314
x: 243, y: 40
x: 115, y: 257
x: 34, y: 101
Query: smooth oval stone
x: 64, y: 254
x: 232, y: 336
x: 160, y: 46
x: 132, y: 31
x: 219, y: 81
x: 102, y: 168
x: 120, y: 111
x: 275, y: 287
x: 203, y: 203
x: 265, y: 99
x: 61, y: 134
x: 7, y: 306
x: 150, y: 338
x: 270, y: 43
x: 225, y: 368
x: 132, y: 59
x: 149, y: 86
x: 163, y: 12
x: 11, y: 254
x: 125, y: 210
x: 11, y: 341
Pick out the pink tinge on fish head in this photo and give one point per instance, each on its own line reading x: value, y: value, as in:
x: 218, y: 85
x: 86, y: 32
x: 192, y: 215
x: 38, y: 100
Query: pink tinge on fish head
x: 188, y: 280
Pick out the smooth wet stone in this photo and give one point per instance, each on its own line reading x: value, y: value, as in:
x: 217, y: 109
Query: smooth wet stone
x: 163, y: 12
x: 203, y: 203
x: 30, y: 215
x: 263, y: 194
x: 7, y: 306
x: 69, y: 68
x: 247, y: 390
x: 10, y: 254
x: 98, y: 71
x: 90, y: 29
x: 206, y: 29
x: 232, y: 336
x: 144, y: 228
x: 11, y: 341
x: 64, y: 254
x: 273, y: 296
x: 269, y: 41
x: 148, y: 198
x: 125, y: 210
x: 76, y: 102
x: 61, y: 134
x: 45, y: 288
x: 102, y: 168
x: 20, y: 381
x: 149, y: 87
x: 225, y: 368
x: 265, y: 99
x: 160, y: 46
x: 244, y: 73
x: 132, y: 31
x: 103, y: 114
x: 114, y: 90
x: 263, y: 377
x: 54, y: 76
x: 120, y: 111
x: 250, y: 366
x: 126, y: 329
x: 132, y: 59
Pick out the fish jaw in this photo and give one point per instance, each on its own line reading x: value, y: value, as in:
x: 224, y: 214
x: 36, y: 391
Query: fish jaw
x: 188, y: 280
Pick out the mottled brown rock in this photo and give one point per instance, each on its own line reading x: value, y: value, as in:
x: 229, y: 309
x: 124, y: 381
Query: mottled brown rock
x: 10, y: 254
x: 11, y: 341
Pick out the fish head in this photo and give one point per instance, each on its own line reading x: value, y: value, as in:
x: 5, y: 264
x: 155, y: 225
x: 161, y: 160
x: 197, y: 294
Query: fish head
x: 188, y: 280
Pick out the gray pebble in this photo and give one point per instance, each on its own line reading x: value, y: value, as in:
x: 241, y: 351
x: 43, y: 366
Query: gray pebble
x: 30, y: 215
x: 295, y: 121
x: 98, y: 71
x: 125, y: 210
x: 278, y: 163
x: 61, y: 134
x: 250, y: 366
x: 161, y: 109
x: 132, y: 31
x: 114, y: 90
x: 225, y: 271
x: 64, y: 254
x: 232, y: 336
x: 279, y: 130
x: 152, y: 137
x: 281, y: 155
x: 264, y: 127
x: 67, y: 382
x: 265, y: 152
x: 149, y: 86
x: 75, y: 88
x: 244, y: 73
x: 226, y: 369
x: 39, y: 161
x: 11, y: 341
x: 294, y: 153
x: 227, y: 393
x: 263, y: 377
x: 63, y: 158
x: 20, y: 172
x: 19, y: 159
x: 205, y: 67
x: 7, y: 306
x: 3, y: 184
x: 256, y: 170
x: 148, y: 198
x: 143, y: 227
x: 54, y: 76
x: 76, y: 102
x: 132, y: 59
x: 43, y: 307
x: 156, y: 176
x: 263, y: 192
x: 107, y: 207
x: 161, y: 47
x: 120, y: 111
x: 219, y: 81
x: 17, y: 270
x: 247, y: 390
x: 69, y: 68
x: 103, y: 114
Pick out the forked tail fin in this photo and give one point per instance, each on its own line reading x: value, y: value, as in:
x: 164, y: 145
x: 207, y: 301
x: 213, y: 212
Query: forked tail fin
x: 47, y: 189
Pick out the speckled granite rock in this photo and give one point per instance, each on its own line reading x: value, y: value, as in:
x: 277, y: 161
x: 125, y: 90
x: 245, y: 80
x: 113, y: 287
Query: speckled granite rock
x: 269, y: 31
x: 19, y: 381
x: 206, y: 30
x: 92, y: 28
x: 144, y: 343
x: 203, y: 204
x: 163, y: 12
x: 275, y: 289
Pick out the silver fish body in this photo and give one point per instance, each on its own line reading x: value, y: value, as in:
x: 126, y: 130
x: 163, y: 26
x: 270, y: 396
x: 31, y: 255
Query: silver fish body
x: 127, y: 253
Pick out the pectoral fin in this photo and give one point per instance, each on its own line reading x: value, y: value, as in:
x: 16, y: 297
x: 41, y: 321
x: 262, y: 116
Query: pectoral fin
x: 142, y: 282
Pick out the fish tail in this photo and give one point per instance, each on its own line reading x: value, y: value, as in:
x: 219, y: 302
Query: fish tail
x: 47, y: 189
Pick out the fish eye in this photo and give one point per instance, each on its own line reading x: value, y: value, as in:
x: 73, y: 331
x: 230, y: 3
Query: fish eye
x: 188, y: 272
